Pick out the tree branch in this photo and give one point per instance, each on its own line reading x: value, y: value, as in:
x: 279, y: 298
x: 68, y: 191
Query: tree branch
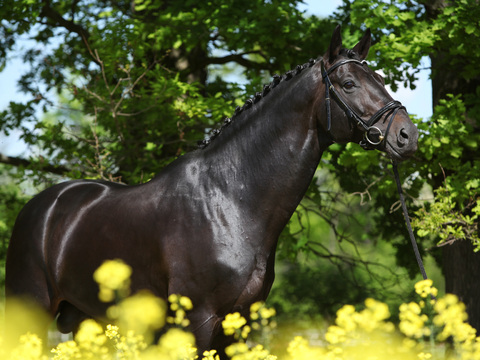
x: 239, y: 59
x: 56, y: 17
x: 20, y: 162
x: 59, y: 21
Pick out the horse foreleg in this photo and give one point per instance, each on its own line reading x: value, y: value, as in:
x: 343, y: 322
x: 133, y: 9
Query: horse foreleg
x: 209, y: 334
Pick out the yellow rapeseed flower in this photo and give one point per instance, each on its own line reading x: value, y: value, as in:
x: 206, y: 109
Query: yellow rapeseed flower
x: 412, y: 321
x: 232, y: 323
x: 267, y: 313
x: 186, y: 303
x: 335, y: 335
x: 177, y: 344
x: 256, y: 306
x: 143, y: 313
x: 345, y: 318
x: 425, y: 288
x: 180, y: 305
x: 377, y: 309
x: 92, y: 341
x: 30, y: 348
x: 210, y: 355
x: 299, y: 349
x: 113, y: 276
x: 66, y: 350
x: 90, y: 332
x: 112, y: 331
x: 424, y: 356
x: 129, y: 346
x: 451, y: 316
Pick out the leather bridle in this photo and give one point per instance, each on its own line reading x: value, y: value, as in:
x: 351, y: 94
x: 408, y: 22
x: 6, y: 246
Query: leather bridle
x: 373, y: 137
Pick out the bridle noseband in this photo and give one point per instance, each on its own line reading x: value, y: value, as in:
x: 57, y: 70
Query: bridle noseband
x: 371, y: 130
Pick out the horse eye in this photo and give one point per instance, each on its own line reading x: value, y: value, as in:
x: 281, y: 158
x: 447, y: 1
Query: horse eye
x: 348, y: 84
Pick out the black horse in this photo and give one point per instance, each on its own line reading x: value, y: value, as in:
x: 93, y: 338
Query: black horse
x: 207, y: 225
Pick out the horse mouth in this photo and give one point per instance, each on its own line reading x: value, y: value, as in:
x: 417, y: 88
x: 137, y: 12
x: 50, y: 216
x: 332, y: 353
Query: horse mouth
x: 400, y: 154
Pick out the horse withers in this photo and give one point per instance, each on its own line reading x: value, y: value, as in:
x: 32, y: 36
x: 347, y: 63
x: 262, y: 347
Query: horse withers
x: 207, y: 225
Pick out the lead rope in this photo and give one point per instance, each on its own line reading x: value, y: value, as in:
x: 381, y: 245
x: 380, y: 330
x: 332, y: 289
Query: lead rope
x: 409, y: 225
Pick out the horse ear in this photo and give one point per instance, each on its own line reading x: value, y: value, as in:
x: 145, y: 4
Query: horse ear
x: 363, y: 45
x: 335, y: 44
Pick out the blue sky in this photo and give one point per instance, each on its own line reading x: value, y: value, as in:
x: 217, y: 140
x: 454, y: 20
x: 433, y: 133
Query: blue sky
x: 418, y: 101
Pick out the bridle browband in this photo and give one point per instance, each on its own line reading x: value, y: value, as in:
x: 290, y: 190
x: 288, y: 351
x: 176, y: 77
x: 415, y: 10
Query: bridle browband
x: 370, y: 130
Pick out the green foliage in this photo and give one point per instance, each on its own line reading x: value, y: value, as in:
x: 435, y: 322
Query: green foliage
x: 337, y: 250
x: 11, y: 201
x: 444, y: 221
x: 449, y: 144
x: 447, y: 160
x: 141, y: 74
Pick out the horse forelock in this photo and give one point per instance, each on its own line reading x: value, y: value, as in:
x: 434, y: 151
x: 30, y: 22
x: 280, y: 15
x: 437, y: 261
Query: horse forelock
x: 277, y: 79
x: 350, y: 54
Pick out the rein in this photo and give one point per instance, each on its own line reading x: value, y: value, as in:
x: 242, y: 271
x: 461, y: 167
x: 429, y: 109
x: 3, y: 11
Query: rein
x: 407, y: 221
x: 409, y: 225
x: 369, y: 143
x: 373, y: 136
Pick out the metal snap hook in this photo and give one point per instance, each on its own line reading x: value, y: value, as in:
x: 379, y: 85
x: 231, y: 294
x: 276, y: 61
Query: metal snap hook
x: 380, y: 136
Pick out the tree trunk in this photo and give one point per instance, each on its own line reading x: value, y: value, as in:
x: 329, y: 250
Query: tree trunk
x: 461, y: 267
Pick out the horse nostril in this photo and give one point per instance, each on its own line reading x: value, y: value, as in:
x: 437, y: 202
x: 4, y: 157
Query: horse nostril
x: 402, y: 137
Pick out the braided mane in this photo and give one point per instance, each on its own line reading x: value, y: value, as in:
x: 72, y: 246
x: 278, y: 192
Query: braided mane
x: 277, y: 79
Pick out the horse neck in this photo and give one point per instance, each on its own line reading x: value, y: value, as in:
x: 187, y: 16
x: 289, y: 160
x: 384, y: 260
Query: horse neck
x: 269, y: 154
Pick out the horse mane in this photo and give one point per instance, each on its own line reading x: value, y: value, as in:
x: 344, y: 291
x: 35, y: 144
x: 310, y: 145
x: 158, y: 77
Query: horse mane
x: 277, y: 79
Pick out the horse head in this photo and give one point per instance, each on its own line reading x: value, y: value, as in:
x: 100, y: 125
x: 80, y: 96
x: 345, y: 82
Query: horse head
x: 362, y: 109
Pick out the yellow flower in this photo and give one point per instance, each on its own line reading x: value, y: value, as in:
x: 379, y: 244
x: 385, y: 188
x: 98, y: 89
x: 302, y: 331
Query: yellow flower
x: 91, y: 341
x: 173, y: 300
x: 66, y: 350
x: 112, y: 331
x: 179, y: 304
x: 90, y: 332
x: 210, y: 355
x: 451, y: 315
x: 267, y: 313
x: 186, y: 303
x: 412, y: 321
x: 232, y: 323
x: 143, y: 313
x: 245, y: 331
x: 236, y: 349
x: 299, y: 349
x: 425, y: 288
x: 29, y: 348
x: 345, y: 318
x: 177, y: 344
x: 335, y: 335
x: 378, y: 310
x: 256, y: 306
x: 113, y: 276
x: 424, y: 356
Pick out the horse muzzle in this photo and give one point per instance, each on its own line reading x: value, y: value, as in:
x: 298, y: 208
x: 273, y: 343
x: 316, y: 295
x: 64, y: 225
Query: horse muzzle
x: 402, y: 142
